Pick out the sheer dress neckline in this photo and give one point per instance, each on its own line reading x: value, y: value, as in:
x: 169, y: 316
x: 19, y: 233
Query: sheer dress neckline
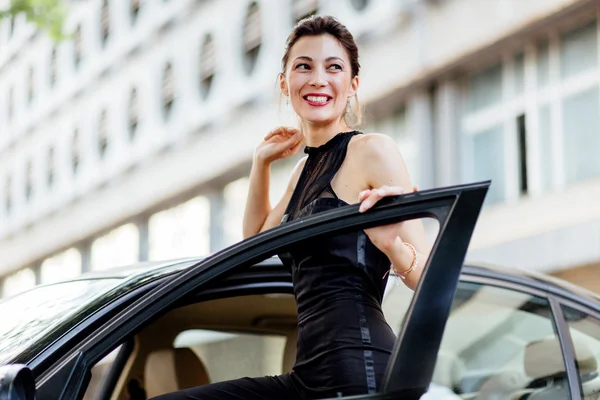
x: 314, y: 183
x: 327, y: 145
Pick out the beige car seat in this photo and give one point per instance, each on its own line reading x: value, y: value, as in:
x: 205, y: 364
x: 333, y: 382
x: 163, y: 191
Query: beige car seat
x: 544, y: 362
x: 169, y: 370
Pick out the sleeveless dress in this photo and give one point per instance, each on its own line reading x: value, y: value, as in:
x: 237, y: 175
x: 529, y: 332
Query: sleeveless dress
x: 344, y: 342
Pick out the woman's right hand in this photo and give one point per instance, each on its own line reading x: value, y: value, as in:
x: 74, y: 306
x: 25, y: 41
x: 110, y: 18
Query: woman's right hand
x: 280, y: 143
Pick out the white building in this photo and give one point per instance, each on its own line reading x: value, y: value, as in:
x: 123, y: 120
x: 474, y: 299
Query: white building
x: 131, y: 140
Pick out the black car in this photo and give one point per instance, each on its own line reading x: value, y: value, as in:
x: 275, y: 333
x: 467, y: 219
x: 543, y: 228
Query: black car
x: 465, y: 333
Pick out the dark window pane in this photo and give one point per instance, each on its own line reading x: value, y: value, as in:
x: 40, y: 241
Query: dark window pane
x: 207, y: 65
x: 168, y: 90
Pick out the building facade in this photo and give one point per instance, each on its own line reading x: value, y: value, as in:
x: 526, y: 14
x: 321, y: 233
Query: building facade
x: 132, y: 139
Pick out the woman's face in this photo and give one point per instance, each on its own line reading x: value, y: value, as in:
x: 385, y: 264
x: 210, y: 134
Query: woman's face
x: 318, y: 79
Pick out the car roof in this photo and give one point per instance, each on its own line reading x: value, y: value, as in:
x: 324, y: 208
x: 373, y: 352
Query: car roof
x: 535, y: 279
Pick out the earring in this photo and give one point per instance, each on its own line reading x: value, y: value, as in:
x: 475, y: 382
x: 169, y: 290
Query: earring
x: 348, y: 109
x: 287, y: 104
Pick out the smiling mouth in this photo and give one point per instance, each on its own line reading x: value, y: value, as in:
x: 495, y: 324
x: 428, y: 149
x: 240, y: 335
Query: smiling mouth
x: 317, y: 100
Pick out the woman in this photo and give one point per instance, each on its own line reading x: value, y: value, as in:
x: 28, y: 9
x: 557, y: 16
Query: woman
x: 344, y: 341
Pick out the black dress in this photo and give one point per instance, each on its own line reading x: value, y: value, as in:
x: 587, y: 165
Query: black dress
x: 344, y: 342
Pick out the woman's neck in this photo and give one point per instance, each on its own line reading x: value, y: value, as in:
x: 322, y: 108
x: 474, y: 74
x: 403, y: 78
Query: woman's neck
x: 316, y: 136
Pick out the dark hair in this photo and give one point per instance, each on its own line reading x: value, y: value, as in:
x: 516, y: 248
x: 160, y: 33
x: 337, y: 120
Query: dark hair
x: 317, y: 25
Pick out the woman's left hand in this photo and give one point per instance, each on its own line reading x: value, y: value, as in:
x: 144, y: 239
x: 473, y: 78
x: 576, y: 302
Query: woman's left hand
x: 382, y: 236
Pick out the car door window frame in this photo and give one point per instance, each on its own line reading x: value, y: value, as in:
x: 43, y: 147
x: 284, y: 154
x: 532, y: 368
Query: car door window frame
x: 592, y: 312
x: 456, y: 208
x: 109, y: 383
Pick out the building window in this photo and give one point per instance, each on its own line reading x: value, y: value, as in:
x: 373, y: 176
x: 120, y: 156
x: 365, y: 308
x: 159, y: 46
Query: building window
x: 359, y: 5
x: 181, y: 231
x: 51, y: 166
x: 75, y: 152
x: 485, y: 88
x: 133, y: 113
x: 168, y: 90
x: 135, y: 6
x: 487, y: 154
x: 60, y: 267
x: 579, y: 50
x: 105, y: 21
x: 486, y: 129
x: 18, y: 282
x: 252, y: 37
x: 103, y: 133
x: 304, y: 8
x: 118, y: 247
x: 8, y: 195
x: 581, y: 135
x: 207, y: 65
x: 53, y: 66
x: 78, y: 46
x: 543, y: 152
x: 29, y: 180
x: 30, y: 85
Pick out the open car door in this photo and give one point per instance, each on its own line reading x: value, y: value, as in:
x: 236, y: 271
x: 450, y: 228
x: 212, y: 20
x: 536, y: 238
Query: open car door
x: 412, y: 363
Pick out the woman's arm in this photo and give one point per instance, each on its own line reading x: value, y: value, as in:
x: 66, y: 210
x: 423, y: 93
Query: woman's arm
x: 385, y: 173
x: 258, y: 206
x: 258, y: 214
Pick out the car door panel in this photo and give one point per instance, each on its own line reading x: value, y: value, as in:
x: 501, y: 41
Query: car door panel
x: 421, y: 335
x: 456, y: 208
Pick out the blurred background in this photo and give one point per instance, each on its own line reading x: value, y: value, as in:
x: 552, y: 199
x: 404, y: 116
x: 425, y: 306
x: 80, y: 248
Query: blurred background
x: 130, y: 136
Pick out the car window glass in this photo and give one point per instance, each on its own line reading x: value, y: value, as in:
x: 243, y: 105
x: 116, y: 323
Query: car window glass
x: 585, y: 333
x: 26, y: 316
x: 498, y: 344
x: 100, y: 373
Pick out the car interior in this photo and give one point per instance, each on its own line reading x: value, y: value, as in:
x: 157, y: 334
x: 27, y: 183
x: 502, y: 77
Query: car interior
x: 497, y: 345
x: 502, y: 344
x: 206, y: 342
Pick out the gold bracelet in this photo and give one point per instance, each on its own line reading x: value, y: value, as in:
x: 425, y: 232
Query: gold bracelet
x: 414, y: 264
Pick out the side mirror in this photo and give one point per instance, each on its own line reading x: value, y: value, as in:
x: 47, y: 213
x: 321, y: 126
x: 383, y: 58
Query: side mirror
x: 16, y: 383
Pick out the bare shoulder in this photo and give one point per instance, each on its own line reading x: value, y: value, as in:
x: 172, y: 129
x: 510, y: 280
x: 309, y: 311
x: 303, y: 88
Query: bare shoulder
x: 377, y: 159
x: 369, y: 145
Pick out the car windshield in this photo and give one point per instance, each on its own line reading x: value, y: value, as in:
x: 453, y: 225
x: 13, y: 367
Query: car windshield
x: 26, y: 317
